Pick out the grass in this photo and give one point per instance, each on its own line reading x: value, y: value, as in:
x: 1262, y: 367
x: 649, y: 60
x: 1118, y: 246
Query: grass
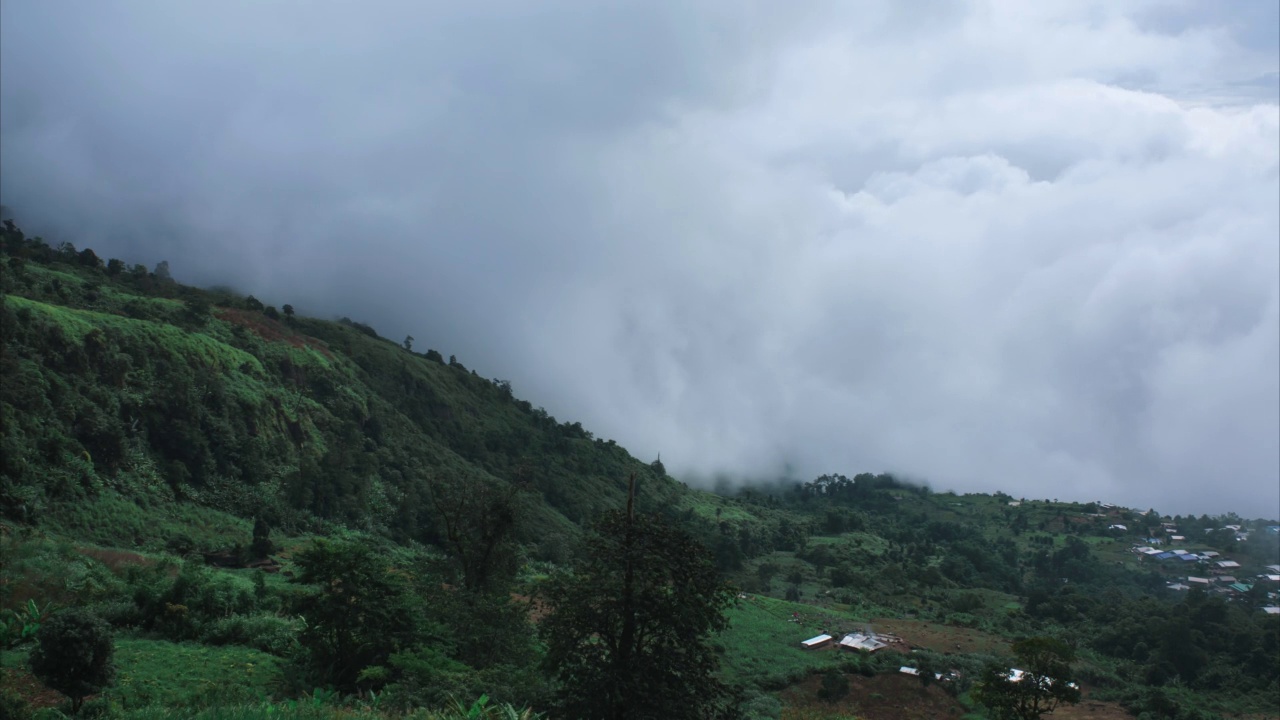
x: 186, y: 675
x: 198, y: 349
x: 113, y: 520
x: 762, y: 645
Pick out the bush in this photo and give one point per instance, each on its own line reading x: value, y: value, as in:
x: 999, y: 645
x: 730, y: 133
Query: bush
x: 74, y: 654
x: 268, y: 633
x: 834, y: 686
x: 762, y: 707
x: 13, y: 706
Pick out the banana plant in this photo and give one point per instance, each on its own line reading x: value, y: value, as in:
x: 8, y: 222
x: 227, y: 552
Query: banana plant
x: 19, y: 626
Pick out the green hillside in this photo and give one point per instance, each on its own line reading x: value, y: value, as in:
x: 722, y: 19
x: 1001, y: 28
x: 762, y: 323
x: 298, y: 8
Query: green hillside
x: 119, y: 381
x: 282, y: 516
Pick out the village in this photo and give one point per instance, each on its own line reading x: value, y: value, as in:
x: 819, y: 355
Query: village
x: 1210, y: 570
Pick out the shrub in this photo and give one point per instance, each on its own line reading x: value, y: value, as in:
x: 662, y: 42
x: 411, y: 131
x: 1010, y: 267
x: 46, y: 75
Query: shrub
x: 74, y: 654
x: 13, y: 706
x: 268, y: 633
x: 834, y: 686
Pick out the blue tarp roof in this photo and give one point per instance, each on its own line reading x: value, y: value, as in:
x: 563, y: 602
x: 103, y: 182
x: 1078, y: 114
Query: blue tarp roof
x: 1166, y: 555
x: 1189, y: 558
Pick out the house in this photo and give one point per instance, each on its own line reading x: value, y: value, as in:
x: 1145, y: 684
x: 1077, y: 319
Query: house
x: 1177, y: 538
x: 861, y: 641
x: 1189, y: 557
x: 1271, y: 610
x: 1241, y: 587
x: 1178, y: 586
x: 1226, y: 579
x: 1015, y: 503
x: 1118, y: 527
x: 912, y: 671
x: 1274, y: 568
x: 1165, y: 556
x: 1269, y: 578
x: 1016, y: 675
x: 1209, y: 554
x: 1198, y: 581
x: 819, y: 641
x: 1227, y: 564
x: 1179, y: 551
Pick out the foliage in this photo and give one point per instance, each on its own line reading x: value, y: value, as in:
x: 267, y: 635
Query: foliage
x: 834, y: 686
x: 1045, y: 683
x: 358, y: 613
x: 19, y: 626
x: 74, y: 654
x: 628, y: 633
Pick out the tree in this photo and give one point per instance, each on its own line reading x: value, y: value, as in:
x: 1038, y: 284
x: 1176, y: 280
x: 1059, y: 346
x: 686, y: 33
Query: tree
x: 162, y: 271
x: 1045, y: 682
x: 628, y: 633
x: 478, y: 520
x: 74, y: 654
x: 359, y: 614
x: 408, y: 343
x: 288, y: 312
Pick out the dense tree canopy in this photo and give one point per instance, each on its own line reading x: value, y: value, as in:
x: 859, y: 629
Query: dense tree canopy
x: 628, y: 634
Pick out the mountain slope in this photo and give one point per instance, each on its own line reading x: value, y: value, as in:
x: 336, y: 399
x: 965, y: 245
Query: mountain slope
x: 117, y: 379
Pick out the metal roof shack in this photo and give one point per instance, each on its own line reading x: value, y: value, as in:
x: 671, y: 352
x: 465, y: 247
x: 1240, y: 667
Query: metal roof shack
x: 1017, y: 675
x: 862, y: 641
x: 819, y: 641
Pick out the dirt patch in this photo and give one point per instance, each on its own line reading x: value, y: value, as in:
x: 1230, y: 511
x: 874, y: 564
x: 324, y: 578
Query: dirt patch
x: 898, y: 696
x: 1088, y: 709
x: 883, y: 697
x: 30, y: 689
x: 941, y: 638
x: 272, y: 330
x: 116, y: 560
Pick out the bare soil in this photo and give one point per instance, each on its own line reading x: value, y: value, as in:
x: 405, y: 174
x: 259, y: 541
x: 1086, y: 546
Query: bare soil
x: 941, y: 638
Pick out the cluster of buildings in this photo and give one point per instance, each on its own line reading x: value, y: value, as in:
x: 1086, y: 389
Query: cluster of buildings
x: 866, y: 641
x: 1219, y: 581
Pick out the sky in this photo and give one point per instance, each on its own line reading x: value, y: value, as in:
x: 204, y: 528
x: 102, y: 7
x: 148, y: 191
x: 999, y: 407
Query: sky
x: 989, y: 245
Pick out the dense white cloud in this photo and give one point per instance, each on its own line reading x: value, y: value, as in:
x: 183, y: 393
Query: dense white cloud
x: 997, y: 245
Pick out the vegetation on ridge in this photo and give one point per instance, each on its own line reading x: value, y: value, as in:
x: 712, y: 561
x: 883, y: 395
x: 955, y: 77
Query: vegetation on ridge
x: 289, y: 517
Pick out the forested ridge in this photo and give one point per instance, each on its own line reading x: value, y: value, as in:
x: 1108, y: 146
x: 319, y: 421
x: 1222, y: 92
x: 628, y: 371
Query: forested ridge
x: 281, y: 515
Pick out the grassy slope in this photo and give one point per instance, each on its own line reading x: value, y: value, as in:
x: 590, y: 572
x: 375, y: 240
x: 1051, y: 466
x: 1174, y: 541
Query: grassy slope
x: 120, y: 402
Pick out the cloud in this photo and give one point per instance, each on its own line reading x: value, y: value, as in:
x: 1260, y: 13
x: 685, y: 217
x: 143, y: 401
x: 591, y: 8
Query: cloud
x: 1029, y: 247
